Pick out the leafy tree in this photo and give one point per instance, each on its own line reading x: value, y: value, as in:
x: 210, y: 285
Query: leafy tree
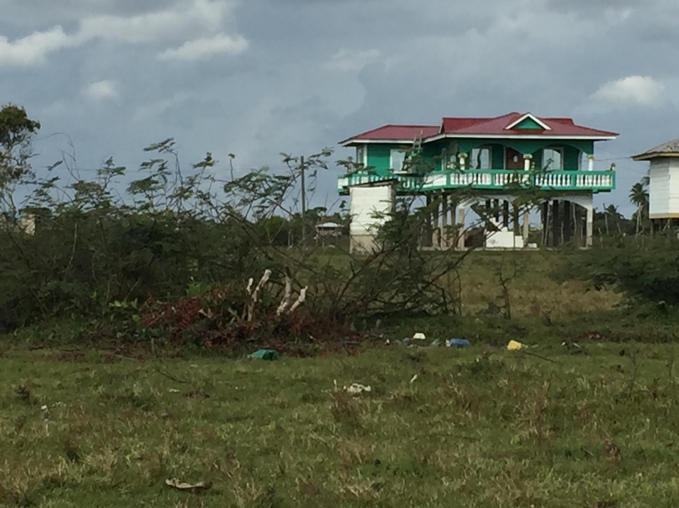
x: 16, y: 133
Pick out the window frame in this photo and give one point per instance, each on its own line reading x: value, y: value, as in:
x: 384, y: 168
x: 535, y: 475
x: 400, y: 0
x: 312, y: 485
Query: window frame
x: 471, y: 158
x: 402, y: 152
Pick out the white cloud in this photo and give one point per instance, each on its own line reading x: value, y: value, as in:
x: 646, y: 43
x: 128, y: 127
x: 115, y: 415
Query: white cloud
x: 32, y: 49
x: 191, y: 17
x: 207, y: 47
x: 347, y: 61
x: 643, y: 90
x: 180, y: 22
x: 102, y: 90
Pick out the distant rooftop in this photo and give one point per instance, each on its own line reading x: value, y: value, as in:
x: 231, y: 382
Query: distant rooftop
x: 669, y: 149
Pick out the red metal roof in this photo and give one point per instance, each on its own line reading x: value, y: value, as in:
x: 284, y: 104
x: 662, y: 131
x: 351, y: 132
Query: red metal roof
x: 397, y: 132
x: 480, y: 126
x: 498, y: 126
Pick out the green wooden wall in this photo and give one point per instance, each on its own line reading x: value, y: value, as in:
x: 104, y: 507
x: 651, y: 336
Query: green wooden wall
x: 379, y: 154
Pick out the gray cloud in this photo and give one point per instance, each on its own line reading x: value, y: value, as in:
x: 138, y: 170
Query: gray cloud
x: 315, y: 72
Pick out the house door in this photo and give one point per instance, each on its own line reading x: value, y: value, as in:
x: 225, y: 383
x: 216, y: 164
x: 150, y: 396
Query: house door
x: 513, y: 159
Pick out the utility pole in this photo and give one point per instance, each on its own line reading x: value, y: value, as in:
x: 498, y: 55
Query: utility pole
x: 301, y: 166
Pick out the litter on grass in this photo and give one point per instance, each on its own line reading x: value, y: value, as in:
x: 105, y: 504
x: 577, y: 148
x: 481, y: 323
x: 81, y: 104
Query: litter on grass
x: 265, y: 354
x: 458, y: 343
x: 180, y: 485
x: 357, y: 389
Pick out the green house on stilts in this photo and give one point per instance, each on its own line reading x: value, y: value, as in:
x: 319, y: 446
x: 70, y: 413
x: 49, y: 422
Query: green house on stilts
x: 488, y: 157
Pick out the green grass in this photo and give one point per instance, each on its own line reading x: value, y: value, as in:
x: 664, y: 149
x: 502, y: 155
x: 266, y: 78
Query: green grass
x: 479, y: 427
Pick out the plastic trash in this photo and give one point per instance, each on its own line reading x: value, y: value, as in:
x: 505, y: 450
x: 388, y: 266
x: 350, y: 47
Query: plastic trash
x: 419, y: 336
x: 458, y: 343
x: 514, y: 345
x: 356, y: 389
x: 265, y: 354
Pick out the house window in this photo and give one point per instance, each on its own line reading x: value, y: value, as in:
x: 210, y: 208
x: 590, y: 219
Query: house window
x: 480, y: 158
x: 361, y: 155
x: 397, y: 159
x: 552, y: 159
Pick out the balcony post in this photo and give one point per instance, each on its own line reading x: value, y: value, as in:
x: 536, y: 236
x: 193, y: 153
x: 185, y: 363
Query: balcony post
x: 526, y: 161
x: 590, y: 162
x: 462, y: 158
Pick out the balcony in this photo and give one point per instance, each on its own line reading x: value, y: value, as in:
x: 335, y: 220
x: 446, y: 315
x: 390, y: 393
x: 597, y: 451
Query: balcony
x: 488, y: 179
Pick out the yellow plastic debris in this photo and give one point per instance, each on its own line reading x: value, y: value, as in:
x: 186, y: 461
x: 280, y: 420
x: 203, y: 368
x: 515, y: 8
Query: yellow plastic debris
x: 514, y: 345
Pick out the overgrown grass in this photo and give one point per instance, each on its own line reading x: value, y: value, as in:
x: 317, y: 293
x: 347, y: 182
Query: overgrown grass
x: 479, y: 427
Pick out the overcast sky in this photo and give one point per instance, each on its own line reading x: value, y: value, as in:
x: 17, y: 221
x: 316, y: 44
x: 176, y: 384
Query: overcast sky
x: 260, y: 77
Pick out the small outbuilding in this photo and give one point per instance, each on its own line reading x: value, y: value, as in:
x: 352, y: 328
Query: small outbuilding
x: 663, y: 178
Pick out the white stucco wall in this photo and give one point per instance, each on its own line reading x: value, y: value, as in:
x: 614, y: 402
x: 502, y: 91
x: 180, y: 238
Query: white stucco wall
x: 366, y: 204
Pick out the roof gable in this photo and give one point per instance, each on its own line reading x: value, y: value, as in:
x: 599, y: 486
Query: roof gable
x: 528, y: 122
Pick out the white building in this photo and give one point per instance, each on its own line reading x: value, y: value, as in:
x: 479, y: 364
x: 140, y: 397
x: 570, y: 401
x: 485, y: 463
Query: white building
x: 663, y: 188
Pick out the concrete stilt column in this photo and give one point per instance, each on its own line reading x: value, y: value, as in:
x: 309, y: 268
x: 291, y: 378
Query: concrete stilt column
x: 444, y: 222
x: 526, y: 226
x: 545, y: 223
x: 558, y: 215
x: 590, y: 226
x: 436, y: 241
x: 427, y: 240
x: 460, y: 227
x: 567, y: 221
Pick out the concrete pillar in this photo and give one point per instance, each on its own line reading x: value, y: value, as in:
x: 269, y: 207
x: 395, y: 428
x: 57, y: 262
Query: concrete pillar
x: 590, y: 226
x: 545, y: 223
x: 567, y: 221
x: 557, y: 216
x: 444, y: 221
x: 427, y: 240
x: 526, y: 226
x: 460, y: 227
x: 516, y: 226
x: 526, y: 161
x: 590, y: 161
x: 436, y: 241
x: 505, y: 214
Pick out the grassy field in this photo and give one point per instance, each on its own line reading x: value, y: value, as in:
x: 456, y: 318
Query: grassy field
x: 479, y: 427
x: 550, y: 426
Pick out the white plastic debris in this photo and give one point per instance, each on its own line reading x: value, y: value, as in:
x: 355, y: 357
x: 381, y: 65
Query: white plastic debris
x: 419, y: 336
x: 413, y: 379
x: 356, y: 389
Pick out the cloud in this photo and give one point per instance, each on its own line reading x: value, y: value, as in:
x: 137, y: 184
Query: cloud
x: 178, y: 22
x: 642, y: 90
x: 191, y: 17
x: 205, y: 48
x: 32, y: 49
x: 348, y: 61
x: 102, y: 90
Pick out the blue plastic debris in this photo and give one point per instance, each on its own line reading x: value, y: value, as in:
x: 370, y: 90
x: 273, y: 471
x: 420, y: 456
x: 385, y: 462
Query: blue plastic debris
x: 458, y: 343
x: 265, y: 354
